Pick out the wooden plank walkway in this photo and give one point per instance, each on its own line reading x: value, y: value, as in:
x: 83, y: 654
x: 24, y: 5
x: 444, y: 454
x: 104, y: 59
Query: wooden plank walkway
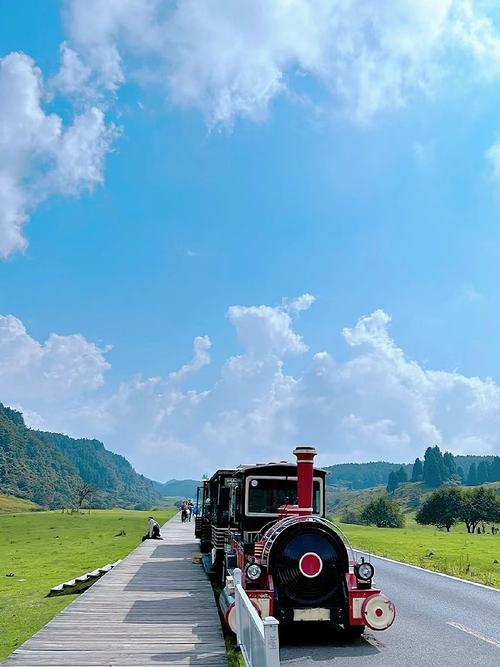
x: 154, y: 608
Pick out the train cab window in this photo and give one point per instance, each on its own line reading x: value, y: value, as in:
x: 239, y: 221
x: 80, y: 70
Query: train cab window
x: 266, y: 495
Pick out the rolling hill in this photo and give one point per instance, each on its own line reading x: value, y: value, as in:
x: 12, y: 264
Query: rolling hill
x: 178, y: 488
x: 375, y: 473
x: 50, y: 468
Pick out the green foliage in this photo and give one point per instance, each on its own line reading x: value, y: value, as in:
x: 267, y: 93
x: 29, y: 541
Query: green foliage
x: 433, y: 474
x: 49, y: 468
x: 393, y: 482
x: 442, y: 508
x: 482, y: 472
x: 182, y: 488
x: 369, y: 475
x: 401, y: 475
x: 494, y: 470
x: 384, y: 513
x: 417, y: 471
x: 449, y: 465
x: 43, y: 549
x: 361, y: 475
x: 478, y: 505
x: 472, y: 475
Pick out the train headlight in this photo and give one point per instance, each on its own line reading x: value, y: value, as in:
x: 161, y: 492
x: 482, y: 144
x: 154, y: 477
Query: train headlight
x: 364, y: 571
x: 253, y: 572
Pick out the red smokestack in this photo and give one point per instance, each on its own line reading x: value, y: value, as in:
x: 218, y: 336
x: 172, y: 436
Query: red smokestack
x: 305, y: 465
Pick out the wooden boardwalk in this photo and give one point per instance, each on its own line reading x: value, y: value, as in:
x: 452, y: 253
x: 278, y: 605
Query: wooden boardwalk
x: 154, y: 608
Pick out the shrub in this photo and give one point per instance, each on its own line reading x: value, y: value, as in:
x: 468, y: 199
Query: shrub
x: 384, y: 513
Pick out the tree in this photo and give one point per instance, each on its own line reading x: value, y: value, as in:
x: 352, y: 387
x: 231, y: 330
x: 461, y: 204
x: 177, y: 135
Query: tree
x: 449, y: 464
x: 84, y: 492
x: 384, y: 513
x: 482, y: 472
x: 401, y: 475
x: 472, y: 475
x: 432, y: 473
x: 442, y: 508
x: 495, y: 469
x: 443, y: 473
x: 479, y: 504
x: 461, y: 474
x: 393, y: 482
x: 418, y: 471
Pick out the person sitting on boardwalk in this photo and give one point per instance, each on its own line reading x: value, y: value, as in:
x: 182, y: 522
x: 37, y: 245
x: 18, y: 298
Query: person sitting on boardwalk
x: 153, y: 530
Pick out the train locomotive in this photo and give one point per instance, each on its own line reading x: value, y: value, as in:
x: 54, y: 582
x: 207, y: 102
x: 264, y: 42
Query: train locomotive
x: 269, y: 521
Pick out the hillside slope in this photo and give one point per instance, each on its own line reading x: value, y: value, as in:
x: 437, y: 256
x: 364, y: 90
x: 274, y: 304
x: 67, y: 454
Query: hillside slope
x: 48, y: 468
x: 410, y: 496
x: 178, y: 488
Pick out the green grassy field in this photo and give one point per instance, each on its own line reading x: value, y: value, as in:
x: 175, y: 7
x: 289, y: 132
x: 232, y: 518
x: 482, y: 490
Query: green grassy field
x: 457, y: 553
x: 43, y: 549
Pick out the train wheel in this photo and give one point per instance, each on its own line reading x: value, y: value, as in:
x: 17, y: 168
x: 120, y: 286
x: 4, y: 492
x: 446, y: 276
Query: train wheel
x: 354, y: 631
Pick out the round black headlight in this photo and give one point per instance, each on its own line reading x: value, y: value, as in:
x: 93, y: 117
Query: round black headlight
x: 253, y: 572
x: 364, y: 571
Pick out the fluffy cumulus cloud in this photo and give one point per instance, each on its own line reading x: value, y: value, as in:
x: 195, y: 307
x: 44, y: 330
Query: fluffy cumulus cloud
x: 227, y: 60
x: 39, y: 154
x: 230, y: 59
x: 61, y: 368
x: 377, y: 404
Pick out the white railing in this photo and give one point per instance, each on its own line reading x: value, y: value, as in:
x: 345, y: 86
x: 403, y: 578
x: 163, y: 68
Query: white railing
x: 257, y: 638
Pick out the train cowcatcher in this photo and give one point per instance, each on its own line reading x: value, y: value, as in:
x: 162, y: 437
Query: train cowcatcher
x: 297, y: 565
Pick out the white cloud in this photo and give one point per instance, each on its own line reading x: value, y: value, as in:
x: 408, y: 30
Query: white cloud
x: 63, y: 367
x: 201, y: 358
x: 39, y: 155
x: 378, y: 404
x: 264, y: 330
x: 231, y: 59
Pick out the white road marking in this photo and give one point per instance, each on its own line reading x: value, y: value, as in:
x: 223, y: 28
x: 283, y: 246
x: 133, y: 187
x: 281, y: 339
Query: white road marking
x: 423, y: 569
x: 478, y: 635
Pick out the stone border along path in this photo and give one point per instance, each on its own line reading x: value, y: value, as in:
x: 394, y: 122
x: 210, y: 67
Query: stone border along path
x: 155, y: 608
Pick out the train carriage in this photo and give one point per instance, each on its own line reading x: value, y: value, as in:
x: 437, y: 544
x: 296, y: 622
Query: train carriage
x: 269, y: 521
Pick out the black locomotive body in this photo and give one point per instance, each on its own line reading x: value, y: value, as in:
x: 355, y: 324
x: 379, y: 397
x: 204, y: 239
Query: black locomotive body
x: 269, y: 521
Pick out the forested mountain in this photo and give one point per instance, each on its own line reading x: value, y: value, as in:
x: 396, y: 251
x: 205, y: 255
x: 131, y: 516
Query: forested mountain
x: 50, y: 469
x: 185, y: 488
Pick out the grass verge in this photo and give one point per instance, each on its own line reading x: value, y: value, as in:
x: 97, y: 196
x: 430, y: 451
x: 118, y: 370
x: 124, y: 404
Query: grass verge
x: 42, y: 549
x: 474, y: 557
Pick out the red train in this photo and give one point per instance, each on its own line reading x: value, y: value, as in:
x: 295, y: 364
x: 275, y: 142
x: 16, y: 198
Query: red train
x: 269, y: 521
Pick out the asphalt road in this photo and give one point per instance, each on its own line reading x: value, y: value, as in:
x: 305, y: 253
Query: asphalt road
x: 440, y: 621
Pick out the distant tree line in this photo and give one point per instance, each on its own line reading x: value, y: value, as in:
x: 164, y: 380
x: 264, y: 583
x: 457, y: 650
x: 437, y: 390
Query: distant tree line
x: 438, y: 469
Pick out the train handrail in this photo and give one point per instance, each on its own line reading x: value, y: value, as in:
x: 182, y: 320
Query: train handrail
x: 257, y: 638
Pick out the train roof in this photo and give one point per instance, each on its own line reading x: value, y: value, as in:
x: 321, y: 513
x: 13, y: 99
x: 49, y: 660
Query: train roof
x: 247, y: 467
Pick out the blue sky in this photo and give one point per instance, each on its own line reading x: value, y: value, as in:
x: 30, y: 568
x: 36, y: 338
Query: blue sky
x: 395, y: 209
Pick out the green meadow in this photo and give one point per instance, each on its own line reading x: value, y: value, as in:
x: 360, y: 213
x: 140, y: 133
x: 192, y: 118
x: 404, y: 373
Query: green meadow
x: 43, y: 549
x: 474, y: 557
